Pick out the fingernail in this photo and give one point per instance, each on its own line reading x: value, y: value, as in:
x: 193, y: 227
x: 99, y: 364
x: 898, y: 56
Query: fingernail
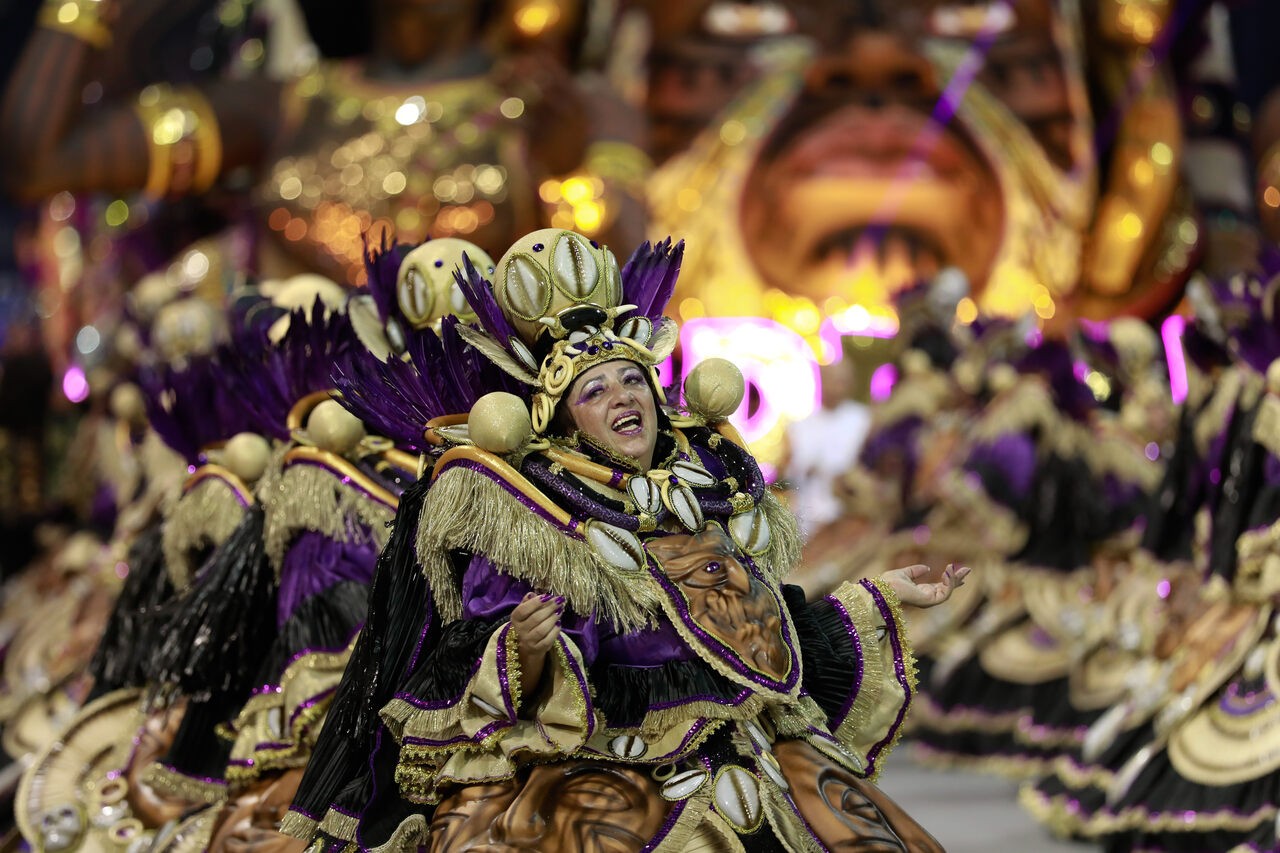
x: 546, y: 596
x: 560, y: 598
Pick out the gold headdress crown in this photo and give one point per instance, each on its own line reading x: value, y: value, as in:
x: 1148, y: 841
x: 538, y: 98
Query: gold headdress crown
x: 561, y: 297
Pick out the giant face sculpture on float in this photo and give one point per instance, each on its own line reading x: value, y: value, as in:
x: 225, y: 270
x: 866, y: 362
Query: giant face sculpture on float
x: 887, y: 141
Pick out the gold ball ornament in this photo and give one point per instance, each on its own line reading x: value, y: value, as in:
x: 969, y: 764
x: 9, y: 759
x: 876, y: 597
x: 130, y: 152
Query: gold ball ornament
x: 127, y: 404
x: 246, y: 455
x: 185, y: 328
x: 303, y: 292
x: 499, y: 423
x: 714, y: 389
x: 333, y: 428
x: 425, y: 287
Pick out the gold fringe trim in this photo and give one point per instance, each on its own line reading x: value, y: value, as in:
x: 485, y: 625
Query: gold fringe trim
x: 1075, y: 775
x: 933, y: 717
x: 1028, y: 404
x: 1111, y: 453
x: 208, y: 512
x: 785, y: 544
x: 470, y: 512
x: 299, y: 826
x: 695, y: 810
x: 338, y: 825
x: 1141, y: 819
x: 1015, y: 768
x: 183, y: 787
x: 314, y: 498
x: 412, y: 833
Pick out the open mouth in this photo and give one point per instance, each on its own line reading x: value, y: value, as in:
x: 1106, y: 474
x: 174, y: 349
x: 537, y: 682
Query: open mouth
x: 887, y: 195
x: 897, y: 253
x: 628, y: 423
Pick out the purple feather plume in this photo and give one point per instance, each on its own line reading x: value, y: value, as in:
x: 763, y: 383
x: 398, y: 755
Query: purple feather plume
x: 649, y: 277
x: 443, y: 376
x: 479, y: 294
x: 382, y: 265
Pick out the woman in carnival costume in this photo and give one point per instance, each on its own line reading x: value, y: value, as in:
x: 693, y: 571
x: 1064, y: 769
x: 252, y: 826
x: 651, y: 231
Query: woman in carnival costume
x: 1160, y: 606
x: 1202, y: 774
x: 1026, y: 464
x: 587, y: 637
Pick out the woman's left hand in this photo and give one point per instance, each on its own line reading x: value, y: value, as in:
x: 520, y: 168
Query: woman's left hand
x: 907, y: 584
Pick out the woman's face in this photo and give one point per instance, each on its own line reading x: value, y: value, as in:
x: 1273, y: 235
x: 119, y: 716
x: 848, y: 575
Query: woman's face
x: 612, y: 404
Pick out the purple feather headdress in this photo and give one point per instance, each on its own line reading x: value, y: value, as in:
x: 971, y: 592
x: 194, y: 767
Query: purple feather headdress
x: 442, y: 375
x: 195, y: 406
x: 301, y: 364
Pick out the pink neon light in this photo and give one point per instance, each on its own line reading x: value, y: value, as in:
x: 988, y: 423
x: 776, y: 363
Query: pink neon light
x: 1171, y: 331
x: 882, y: 382
x: 75, y: 387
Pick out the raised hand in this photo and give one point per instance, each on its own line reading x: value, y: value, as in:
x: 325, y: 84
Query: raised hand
x: 910, y: 588
x: 536, y: 621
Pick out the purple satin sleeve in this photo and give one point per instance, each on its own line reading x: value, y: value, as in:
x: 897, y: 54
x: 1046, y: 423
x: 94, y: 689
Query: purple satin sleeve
x: 314, y: 562
x: 1013, y: 456
x: 490, y: 594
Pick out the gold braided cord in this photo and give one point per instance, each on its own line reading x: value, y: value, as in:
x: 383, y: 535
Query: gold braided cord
x: 80, y: 19
x: 180, y: 786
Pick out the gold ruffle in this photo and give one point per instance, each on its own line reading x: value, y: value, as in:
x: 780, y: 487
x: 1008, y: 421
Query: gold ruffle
x: 556, y: 727
x: 211, y: 506
x: 867, y: 623
x: 284, y: 719
x: 310, y: 495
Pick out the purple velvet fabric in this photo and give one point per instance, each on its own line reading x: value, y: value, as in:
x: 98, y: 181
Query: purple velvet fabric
x: 490, y: 594
x: 314, y: 562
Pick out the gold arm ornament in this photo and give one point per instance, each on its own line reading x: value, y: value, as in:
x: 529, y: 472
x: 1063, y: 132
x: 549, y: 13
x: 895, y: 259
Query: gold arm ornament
x: 183, y: 140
